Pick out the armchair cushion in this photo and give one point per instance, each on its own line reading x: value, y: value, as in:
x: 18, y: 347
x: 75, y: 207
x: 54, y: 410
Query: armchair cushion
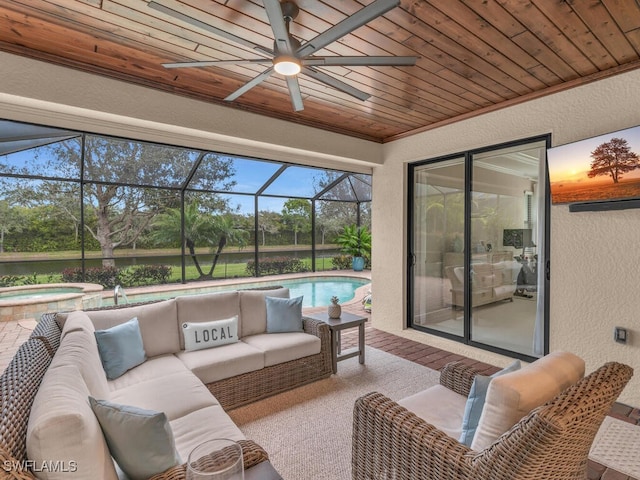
x: 476, y: 400
x: 438, y: 406
x: 511, y: 397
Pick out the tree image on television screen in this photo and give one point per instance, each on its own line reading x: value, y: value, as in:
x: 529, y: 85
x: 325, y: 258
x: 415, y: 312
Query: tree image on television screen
x: 613, y: 158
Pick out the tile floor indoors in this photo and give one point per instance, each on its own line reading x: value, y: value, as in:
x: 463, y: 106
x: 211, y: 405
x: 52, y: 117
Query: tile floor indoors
x: 14, y: 333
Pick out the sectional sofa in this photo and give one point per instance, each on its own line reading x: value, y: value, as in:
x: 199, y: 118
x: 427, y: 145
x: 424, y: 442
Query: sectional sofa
x: 73, y: 407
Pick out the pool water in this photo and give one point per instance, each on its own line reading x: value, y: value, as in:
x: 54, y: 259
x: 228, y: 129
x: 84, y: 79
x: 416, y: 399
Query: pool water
x: 316, y: 291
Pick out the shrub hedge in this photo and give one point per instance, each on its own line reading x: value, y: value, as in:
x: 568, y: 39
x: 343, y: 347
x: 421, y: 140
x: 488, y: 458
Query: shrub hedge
x: 277, y: 265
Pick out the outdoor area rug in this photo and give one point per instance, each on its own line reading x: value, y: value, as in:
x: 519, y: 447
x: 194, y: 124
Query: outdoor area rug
x: 616, y: 446
x: 307, y: 431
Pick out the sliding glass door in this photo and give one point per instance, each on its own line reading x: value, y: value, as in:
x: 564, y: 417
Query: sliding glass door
x: 438, y: 244
x: 477, y: 246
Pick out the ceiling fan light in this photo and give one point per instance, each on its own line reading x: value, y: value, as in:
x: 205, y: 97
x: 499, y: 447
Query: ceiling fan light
x: 287, y: 66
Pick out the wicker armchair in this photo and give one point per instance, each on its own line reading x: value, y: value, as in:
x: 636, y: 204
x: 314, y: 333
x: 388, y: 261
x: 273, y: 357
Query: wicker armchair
x: 552, y: 442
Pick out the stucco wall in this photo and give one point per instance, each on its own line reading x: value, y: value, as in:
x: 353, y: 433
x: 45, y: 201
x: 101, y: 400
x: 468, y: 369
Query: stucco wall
x: 595, y: 256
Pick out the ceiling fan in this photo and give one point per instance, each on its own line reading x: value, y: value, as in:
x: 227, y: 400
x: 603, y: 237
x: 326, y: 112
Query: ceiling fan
x: 290, y: 57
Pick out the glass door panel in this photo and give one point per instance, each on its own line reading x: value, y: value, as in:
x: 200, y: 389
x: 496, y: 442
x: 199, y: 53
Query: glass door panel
x: 438, y: 233
x: 505, y: 231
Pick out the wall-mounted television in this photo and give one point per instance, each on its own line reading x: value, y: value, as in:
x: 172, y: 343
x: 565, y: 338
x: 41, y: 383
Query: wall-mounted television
x: 598, y: 173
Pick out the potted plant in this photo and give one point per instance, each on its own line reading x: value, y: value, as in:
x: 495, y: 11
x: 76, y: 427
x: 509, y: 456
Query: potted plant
x: 355, y: 241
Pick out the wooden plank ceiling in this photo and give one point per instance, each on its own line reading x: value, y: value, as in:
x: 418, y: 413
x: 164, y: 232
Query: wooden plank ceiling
x: 475, y: 55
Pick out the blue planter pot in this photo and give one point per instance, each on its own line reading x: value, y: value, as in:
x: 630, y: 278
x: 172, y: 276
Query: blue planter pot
x: 358, y: 264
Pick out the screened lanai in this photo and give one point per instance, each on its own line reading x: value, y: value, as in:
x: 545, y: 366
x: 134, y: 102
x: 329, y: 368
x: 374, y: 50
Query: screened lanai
x: 76, y: 205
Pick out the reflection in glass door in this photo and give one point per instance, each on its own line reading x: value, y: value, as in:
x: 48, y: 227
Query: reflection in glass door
x: 438, y: 244
x: 505, y: 235
x: 477, y: 244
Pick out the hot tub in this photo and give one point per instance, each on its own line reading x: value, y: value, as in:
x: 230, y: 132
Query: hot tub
x: 31, y: 301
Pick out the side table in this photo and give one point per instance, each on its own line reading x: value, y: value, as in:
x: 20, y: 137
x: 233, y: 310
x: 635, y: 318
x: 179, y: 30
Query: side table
x: 336, y: 325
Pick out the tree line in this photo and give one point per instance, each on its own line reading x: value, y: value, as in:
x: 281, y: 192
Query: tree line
x: 131, y: 201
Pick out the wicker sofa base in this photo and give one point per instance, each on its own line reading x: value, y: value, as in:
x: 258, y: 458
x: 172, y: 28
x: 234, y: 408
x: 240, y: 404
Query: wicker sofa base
x: 242, y: 389
x: 246, y: 388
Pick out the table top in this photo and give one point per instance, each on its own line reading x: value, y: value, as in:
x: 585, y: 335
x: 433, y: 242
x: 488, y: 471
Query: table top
x: 346, y: 319
x: 262, y: 471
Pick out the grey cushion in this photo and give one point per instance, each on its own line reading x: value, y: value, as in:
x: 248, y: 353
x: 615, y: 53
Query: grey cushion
x: 140, y: 441
x: 120, y: 348
x: 284, y: 314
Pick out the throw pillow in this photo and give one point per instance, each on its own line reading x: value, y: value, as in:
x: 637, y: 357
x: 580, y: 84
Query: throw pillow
x: 284, y: 314
x: 140, y: 441
x: 201, y: 335
x: 120, y: 348
x: 475, y: 403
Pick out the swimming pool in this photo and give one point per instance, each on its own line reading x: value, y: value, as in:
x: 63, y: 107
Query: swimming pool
x: 316, y: 291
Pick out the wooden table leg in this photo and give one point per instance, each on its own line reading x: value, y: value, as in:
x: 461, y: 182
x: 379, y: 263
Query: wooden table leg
x: 361, y: 342
x: 335, y: 339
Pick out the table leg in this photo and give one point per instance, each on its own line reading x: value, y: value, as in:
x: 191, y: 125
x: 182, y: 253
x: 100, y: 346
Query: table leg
x: 338, y: 342
x: 335, y: 338
x: 361, y: 342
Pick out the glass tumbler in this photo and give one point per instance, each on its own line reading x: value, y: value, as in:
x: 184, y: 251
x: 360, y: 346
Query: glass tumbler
x: 219, y: 459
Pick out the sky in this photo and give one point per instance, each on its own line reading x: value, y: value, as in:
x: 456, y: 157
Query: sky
x: 569, y: 164
x: 250, y: 175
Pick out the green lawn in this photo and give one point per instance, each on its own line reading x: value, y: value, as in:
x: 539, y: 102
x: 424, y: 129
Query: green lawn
x: 223, y: 270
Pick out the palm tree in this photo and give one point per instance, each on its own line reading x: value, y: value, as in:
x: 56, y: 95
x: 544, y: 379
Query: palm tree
x: 199, y: 229
x: 226, y: 231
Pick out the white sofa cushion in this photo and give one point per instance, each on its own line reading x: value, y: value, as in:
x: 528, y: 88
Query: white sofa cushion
x: 205, y: 424
x: 253, y: 309
x: 513, y: 395
x: 75, y: 321
x: 223, y: 362
x: 439, y: 406
x: 158, y: 324
x: 284, y: 347
x: 177, y: 394
x: 78, y: 347
x: 150, y: 370
x: 62, y: 427
x: 205, y: 308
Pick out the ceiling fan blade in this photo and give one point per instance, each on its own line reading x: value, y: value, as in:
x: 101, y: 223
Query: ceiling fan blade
x: 250, y: 84
x: 359, y: 61
x: 361, y: 17
x: 209, y: 28
x: 294, y: 92
x: 280, y: 32
x: 216, y: 63
x: 335, y: 83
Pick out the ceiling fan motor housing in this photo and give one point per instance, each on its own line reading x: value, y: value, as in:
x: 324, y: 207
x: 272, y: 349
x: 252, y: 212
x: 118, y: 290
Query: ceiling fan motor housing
x: 289, y: 10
